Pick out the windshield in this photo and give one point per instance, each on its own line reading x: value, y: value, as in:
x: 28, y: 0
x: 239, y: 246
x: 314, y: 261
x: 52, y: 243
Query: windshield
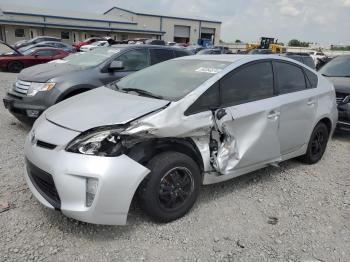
x: 6, y: 50
x: 339, y: 66
x: 172, y: 80
x: 93, y: 58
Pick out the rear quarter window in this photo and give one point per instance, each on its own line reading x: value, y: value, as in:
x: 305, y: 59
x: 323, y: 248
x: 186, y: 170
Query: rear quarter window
x: 312, y: 79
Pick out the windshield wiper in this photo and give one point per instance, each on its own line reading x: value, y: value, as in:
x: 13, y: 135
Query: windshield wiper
x: 336, y: 76
x: 142, y: 92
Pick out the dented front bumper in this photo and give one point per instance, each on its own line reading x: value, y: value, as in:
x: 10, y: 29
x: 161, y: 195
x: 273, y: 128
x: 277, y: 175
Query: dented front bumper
x: 118, y: 180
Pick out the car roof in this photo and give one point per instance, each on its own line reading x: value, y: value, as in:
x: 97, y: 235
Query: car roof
x: 232, y: 58
x: 46, y: 48
x: 148, y: 46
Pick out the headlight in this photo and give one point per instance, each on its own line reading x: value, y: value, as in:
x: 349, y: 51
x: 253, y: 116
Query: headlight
x: 98, y: 143
x: 36, y: 87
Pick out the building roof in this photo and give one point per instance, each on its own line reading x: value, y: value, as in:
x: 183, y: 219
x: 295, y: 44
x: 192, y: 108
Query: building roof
x: 33, y: 11
x: 165, y: 16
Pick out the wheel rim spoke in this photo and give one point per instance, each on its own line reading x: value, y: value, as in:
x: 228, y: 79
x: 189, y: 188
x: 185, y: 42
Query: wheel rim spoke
x: 176, y: 187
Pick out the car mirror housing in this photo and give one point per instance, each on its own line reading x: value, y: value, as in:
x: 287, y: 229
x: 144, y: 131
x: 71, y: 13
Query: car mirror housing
x: 116, y: 65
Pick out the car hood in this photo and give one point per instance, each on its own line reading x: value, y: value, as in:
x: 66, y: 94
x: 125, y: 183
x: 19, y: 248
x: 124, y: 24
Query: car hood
x: 341, y: 84
x: 101, y: 107
x: 44, y: 72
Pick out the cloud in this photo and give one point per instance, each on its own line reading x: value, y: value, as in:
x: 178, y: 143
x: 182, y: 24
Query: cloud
x: 308, y: 20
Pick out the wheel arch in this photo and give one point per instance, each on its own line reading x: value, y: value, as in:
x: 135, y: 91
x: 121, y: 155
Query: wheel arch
x: 74, y: 91
x: 145, y: 151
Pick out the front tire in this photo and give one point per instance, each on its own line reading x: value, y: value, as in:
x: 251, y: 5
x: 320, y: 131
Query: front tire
x: 317, y: 144
x: 172, y: 187
x: 15, y: 66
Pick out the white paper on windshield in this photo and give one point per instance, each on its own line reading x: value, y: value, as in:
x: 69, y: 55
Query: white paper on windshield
x: 208, y: 70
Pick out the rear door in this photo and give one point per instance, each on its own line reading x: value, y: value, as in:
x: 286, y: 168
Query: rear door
x: 298, y: 109
x: 249, y: 124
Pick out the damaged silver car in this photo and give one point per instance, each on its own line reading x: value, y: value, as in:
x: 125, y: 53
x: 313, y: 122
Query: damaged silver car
x: 160, y: 133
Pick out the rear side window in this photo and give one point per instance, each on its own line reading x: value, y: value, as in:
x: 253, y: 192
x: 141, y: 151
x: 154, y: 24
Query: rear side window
x: 289, y: 78
x: 134, y: 60
x: 209, y: 99
x: 312, y: 79
x: 161, y: 55
x: 250, y: 83
x: 309, y: 62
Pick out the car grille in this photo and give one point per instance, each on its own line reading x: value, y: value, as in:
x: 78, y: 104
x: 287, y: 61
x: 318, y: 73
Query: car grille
x: 22, y: 87
x: 341, y: 97
x: 43, y: 182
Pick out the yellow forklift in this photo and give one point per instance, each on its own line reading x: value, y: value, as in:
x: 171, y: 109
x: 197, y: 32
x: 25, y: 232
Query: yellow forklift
x: 267, y: 43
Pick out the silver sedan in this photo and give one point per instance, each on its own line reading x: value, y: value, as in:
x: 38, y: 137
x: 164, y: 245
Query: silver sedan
x: 160, y: 133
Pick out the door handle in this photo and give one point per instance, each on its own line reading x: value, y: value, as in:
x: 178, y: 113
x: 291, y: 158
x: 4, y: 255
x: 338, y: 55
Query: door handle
x: 311, y: 102
x: 273, y: 115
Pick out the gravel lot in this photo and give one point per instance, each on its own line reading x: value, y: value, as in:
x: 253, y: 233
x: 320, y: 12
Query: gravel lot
x: 292, y: 213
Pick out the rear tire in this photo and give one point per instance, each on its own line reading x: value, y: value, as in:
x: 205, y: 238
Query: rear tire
x: 317, y: 144
x: 15, y: 66
x: 172, y: 187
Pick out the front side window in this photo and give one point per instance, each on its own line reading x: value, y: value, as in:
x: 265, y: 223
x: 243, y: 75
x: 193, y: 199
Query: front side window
x: 161, y: 55
x: 134, y: 60
x: 210, y: 99
x: 289, y: 78
x: 19, y: 32
x: 249, y: 83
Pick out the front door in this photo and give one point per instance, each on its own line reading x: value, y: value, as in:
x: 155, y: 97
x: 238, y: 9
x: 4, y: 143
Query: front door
x: 298, y: 107
x: 133, y: 60
x: 248, y: 119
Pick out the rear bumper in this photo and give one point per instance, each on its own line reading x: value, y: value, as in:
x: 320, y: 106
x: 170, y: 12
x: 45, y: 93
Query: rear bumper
x: 118, y: 180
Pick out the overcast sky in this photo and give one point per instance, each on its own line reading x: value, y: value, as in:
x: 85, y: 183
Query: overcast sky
x: 324, y: 21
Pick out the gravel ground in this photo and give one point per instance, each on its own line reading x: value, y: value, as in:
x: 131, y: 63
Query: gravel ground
x: 291, y: 213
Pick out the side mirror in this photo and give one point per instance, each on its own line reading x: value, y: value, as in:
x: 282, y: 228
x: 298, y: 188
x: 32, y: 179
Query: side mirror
x: 116, y: 65
x: 36, y: 56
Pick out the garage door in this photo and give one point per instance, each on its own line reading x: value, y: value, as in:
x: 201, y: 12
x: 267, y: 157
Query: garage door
x: 182, y: 31
x: 206, y: 30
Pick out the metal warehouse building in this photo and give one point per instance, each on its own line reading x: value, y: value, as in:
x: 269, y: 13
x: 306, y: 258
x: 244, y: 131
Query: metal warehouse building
x: 19, y: 23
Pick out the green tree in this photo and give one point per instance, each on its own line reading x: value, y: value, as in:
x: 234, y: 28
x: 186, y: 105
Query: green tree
x: 297, y: 43
x: 238, y: 41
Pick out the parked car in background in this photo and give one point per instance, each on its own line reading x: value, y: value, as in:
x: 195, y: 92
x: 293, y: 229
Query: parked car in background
x: 88, y: 41
x: 338, y: 72
x: 36, y: 40
x: 162, y: 132
x: 42, y: 86
x: 260, y: 52
x: 155, y: 42
x: 304, y: 58
x: 317, y: 55
x: 66, y: 47
x: 195, y: 48
x: 94, y: 45
x: 214, y: 51
x: 17, y: 61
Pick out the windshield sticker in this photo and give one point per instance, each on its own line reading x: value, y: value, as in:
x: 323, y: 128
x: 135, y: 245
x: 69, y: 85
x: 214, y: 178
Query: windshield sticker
x: 208, y: 70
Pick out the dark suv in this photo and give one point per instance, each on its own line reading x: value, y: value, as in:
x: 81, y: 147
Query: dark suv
x: 304, y: 58
x: 42, y: 86
x: 338, y: 72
